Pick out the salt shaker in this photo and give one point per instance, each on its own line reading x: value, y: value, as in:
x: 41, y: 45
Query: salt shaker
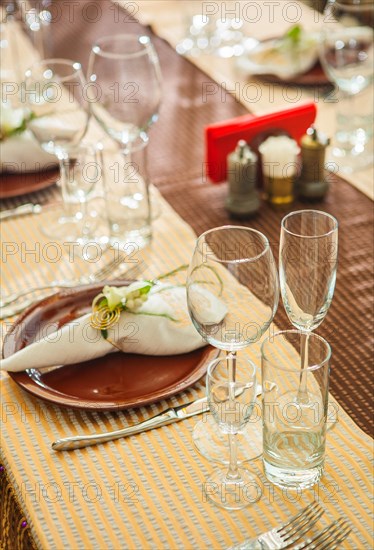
x: 312, y: 184
x: 243, y: 199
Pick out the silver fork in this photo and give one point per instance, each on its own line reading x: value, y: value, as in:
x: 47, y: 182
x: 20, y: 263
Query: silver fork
x: 97, y: 276
x: 286, y: 534
x: 327, y: 539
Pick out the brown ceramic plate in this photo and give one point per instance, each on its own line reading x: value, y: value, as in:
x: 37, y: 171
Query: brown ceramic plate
x: 14, y: 184
x: 114, y: 382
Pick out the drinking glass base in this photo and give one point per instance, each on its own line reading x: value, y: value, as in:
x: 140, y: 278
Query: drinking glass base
x: 59, y: 227
x: 291, y: 478
x: 64, y: 229
x: 213, y: 444
x: 233, y: 493
x: 130, y: 241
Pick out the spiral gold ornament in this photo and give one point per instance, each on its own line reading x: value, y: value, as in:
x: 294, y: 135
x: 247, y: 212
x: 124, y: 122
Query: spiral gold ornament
x: 103, y: 318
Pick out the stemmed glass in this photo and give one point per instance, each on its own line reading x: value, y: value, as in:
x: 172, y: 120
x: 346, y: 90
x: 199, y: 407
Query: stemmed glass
x: 54, y: 92
x: 232, y: 297
x: 37, y: 19
x: 346, y: 53
x: 231, y: 404
x: 308, y: 256
x: 125, y: 96
x: 126, y: 73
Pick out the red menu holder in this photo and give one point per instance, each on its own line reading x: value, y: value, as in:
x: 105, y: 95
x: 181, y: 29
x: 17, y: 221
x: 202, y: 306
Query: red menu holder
x: 222, y: 137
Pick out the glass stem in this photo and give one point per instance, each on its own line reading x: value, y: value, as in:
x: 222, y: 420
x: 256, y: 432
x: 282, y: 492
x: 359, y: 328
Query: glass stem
x: 64, y: 184
x: 233, y: 464
x: 86, y: 230
x: 302, y: 395
x: 231, y: 359
x: 233, y: 472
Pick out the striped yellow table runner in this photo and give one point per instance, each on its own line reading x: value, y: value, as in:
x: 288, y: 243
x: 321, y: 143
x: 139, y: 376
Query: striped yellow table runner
x: 146, y: 491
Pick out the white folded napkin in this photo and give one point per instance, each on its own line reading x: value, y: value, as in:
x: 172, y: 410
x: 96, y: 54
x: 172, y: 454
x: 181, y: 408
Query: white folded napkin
x: 150, y: 331
x: 21, y: 153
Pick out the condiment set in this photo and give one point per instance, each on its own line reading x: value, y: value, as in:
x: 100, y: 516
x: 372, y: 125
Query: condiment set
x: 281, y: 158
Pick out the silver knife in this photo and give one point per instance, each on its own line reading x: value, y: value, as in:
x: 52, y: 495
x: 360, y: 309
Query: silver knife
x: 22, y: 210
x: 168, y: 417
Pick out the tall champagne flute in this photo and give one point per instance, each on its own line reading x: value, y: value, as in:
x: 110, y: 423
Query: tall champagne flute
x: 125, y: 91
x: 308, y: 256
x: 232, y: 297
x: 347, y: 56
x: 54, y: 92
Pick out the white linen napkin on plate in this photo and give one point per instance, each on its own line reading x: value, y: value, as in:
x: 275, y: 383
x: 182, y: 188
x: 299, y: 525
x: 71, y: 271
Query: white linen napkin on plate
x: 21, y: 153
x: 146, y: 333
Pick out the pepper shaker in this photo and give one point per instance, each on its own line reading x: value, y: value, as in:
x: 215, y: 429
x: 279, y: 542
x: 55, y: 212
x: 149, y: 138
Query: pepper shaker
x: 313, y: 184
x: 243, y: 199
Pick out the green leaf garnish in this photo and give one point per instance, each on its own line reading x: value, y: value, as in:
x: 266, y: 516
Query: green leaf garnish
x: 294, y: 34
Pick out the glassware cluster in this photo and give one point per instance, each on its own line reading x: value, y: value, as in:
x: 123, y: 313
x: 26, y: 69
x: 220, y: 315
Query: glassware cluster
x: 232, y: 297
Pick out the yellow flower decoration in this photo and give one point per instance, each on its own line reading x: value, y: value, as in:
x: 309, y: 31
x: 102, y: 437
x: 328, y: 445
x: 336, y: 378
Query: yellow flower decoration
x: 108, y: 305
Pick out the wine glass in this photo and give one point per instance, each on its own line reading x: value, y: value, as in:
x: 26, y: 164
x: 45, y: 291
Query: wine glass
x: 125, y: 96
x: 54, y: 92
x: 125, y: 83
x: 232, y: 296
x: 37, y: 19
x: 346, y: 54
x: 231, y: 404
x: 308, y: 256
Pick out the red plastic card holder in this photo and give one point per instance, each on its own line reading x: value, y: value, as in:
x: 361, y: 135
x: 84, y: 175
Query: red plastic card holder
x: 221, y: 138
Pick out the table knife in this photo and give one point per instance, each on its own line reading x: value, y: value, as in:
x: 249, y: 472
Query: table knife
x: 168, y: 417
x: 22, y: 210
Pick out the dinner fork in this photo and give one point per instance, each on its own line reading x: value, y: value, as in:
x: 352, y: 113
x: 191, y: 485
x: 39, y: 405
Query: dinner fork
x: 327, y: 539
x: 97, y: 276
x: 287, y: 533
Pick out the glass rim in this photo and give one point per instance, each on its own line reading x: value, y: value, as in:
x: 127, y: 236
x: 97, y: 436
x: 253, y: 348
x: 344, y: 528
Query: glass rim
x: 311, y: 211
x: 64, y: 62
x: 310, y: 368
x: 225, y: 358
x: 142, y: 39
x: 241, y: 227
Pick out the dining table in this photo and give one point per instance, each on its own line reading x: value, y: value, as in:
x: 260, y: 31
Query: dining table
x: 147, y: 490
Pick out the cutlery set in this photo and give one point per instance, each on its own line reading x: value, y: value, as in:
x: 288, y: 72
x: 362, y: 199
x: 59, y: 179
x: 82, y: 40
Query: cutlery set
x: 175, y: 414
x: 287, y: 534
x: 168, y: 417
x: 23, y: 210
